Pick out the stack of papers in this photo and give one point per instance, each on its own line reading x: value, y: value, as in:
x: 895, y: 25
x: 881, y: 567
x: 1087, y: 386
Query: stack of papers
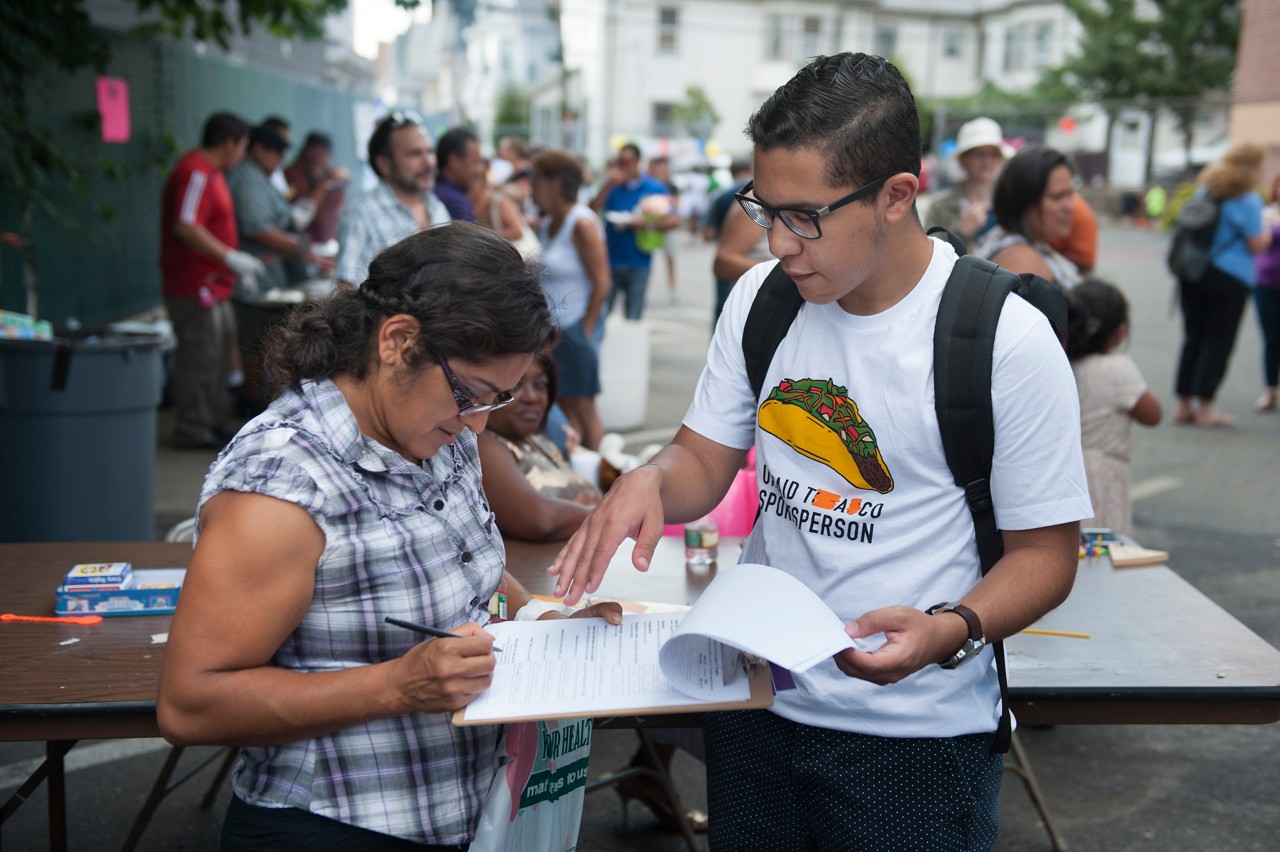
x: 661, y: 662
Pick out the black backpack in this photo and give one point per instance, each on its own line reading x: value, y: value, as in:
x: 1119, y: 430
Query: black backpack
x: 1189, y: 255
x: 963, y: 339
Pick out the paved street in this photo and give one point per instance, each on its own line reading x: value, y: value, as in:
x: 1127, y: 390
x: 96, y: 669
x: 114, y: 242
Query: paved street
x: 1209, y: 497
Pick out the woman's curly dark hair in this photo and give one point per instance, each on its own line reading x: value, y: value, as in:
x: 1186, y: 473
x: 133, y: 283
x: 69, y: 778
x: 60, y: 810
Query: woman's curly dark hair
x: 474, y: 296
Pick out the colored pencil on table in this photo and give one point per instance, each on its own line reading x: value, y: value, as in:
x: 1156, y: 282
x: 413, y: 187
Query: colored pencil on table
x: 1067, y: 633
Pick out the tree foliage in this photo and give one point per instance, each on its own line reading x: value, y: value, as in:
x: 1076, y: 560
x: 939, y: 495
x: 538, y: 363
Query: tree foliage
x: 1153, y: 49
x: 511, y: 114
x: 696, y: 113
x: 1140, y: 52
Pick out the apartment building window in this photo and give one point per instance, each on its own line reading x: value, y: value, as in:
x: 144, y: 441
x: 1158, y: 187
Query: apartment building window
x: 1015, y: 48
x: 1043, y: 38
x: 664, y: 119
x: 952, y: 43
x: 886, y: 41
x: 668, y: 27
x: 776, y: 39
x: 811, y: 37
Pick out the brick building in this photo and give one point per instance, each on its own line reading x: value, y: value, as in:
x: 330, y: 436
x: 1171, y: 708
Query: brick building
x: 1255, y: 100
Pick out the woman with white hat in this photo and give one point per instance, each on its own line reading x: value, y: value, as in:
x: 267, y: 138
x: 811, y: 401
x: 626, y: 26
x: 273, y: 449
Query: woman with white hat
x: 967, y: 210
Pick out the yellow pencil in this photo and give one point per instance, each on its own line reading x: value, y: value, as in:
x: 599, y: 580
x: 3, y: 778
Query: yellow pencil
x: 1066, y: 633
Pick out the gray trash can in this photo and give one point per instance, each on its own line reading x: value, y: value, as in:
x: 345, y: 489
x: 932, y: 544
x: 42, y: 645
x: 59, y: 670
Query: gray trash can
x: 78, y: 438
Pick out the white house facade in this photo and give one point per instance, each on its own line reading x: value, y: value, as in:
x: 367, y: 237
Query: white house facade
x: 631, y: 61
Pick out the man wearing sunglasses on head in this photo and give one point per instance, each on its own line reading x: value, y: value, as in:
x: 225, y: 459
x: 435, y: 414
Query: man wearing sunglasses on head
x: 403, y: 202
x: 890, y: 744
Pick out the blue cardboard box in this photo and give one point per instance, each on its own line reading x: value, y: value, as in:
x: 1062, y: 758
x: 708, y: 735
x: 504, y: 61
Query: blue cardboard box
x: 154, y: 591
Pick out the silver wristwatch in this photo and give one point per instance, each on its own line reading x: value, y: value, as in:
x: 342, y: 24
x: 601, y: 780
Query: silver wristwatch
x: 972, y: 646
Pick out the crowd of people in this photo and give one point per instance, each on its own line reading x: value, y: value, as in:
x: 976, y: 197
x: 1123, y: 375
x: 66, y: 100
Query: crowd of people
x: 430, y: 405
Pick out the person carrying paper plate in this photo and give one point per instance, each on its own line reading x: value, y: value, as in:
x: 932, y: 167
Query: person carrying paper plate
x: 891, y: 747
x: 356, y: 496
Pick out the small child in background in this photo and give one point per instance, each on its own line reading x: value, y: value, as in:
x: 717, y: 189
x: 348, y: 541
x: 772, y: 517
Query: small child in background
x: 1113, y: 394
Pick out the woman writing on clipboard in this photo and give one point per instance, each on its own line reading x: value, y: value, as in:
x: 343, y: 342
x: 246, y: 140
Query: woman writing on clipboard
x: 356, y: 496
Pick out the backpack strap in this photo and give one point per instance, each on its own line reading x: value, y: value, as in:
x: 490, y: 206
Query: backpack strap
x: 963, y: 341
x: 950, y: 236
x: 775, y: 307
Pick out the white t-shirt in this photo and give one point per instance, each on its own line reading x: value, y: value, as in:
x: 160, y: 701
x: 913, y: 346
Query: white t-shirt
x: 910, y: 540
x: 565, y: 281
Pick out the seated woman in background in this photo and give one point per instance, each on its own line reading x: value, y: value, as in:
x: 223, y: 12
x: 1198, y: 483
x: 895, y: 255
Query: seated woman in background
x: 534, y: 493
x: 1033, y: 200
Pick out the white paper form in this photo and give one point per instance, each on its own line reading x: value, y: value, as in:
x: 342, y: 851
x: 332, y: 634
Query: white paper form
x: 587, y: 666
x: 764, y: 612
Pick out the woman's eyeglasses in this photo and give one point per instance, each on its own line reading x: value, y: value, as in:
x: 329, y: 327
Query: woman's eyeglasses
x: 465, y: 399
x: 801, y: 221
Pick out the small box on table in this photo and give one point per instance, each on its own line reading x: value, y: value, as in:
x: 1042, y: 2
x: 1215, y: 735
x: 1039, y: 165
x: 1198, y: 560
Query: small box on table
x: 152, y: 591
x: 99, y: 575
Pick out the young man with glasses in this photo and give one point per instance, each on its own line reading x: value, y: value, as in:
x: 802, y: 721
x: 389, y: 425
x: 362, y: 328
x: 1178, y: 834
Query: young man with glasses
x: 402, y: 203
x: 888, y: 745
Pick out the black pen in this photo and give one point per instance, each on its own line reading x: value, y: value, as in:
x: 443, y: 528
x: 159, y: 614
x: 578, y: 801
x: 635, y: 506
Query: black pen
x: 430, y: 631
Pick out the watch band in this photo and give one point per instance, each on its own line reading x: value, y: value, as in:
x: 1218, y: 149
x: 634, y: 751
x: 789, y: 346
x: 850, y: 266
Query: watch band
x: 970, y: 617
x: 973, y: 645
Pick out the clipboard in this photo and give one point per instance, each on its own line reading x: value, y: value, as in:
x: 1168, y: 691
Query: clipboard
x: 761, y: 683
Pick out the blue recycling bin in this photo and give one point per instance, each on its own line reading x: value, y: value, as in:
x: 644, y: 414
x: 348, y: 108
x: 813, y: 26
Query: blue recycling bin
x: 78, y: 438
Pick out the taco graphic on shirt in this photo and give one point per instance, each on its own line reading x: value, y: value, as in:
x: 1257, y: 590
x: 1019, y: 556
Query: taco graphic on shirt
x: 818, y: 419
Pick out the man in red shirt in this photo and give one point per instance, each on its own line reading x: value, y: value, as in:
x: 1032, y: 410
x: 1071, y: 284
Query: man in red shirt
x: 199, y: 264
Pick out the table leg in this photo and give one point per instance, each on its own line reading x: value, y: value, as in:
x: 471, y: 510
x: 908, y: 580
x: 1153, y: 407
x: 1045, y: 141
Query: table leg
x: 163, y: 786
x: 159, y: 790
x: 1021, y: 766
x: 52, y: 770
x: 663, y: 777
x: 228, y: 763
x: 55, y: 751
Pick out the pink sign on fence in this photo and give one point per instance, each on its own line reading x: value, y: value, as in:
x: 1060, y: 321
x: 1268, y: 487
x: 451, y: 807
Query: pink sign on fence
x: 113, y: 107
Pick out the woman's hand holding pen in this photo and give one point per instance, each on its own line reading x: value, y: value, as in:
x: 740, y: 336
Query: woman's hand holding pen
x: 441, y: 675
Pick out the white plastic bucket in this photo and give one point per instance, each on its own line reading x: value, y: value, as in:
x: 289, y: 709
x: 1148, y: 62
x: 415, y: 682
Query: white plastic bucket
x: 624, y: 374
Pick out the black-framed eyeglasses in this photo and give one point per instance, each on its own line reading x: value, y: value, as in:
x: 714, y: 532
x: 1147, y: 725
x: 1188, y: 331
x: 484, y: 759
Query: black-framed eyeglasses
x: 801, y: 221
x: 465, y: 399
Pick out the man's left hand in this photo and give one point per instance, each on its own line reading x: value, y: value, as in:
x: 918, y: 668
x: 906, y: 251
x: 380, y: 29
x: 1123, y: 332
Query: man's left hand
x: 913, y: 640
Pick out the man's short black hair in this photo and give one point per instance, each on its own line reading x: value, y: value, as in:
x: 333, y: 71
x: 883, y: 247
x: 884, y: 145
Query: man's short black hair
x: 633, y: 148
x: 380, y: 140
x: 316, y: 139
x: 276, y: 123
x: 855, y: 109
x: 220, y: 127
x: 267, y: 137
x: 1022, y: 183
x: 454, y: 144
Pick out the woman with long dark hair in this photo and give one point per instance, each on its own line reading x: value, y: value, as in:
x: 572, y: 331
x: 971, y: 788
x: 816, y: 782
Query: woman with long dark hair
x: 1034, y: 199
